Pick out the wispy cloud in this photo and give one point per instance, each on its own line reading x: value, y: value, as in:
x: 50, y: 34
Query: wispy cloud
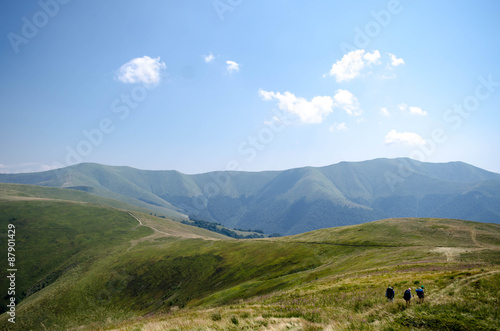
x: 144, y: 69
x: 412, y: 109
x: 208, y: 58
x: 404, y: 138
x: 338, y: 127
x: 273, y: 121
x: 28, y: 167
x: 385, y: 112
x: 232, y: 67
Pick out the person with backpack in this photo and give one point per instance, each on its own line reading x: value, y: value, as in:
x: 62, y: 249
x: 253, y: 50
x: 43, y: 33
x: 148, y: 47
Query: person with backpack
x: 407, y: 296
x: 420, y: 294
x: 389, y: 293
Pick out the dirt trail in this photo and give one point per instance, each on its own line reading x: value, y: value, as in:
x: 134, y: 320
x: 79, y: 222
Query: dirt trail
x: 157, y: 234
x: 459, y: 284
x: 438, y: 296
x: 161, y: 234
x: 154, y: 229
x: 451, y: 252
x: 473, y: 237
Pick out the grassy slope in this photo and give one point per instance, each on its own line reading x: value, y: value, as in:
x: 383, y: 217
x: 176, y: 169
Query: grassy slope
x: 23, y: 192
x: 343, y: 286
x: 58, y: 230
x: 104, y: 181
x: 100, y: 269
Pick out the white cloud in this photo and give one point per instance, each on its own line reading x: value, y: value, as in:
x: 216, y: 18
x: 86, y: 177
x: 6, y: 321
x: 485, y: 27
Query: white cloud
x: 141, y: 70
x: 395, y: 61
x: 413, y: 110
x: 405, y: 138
x: 209, y: 58
x: 346, y: 100
x: 352, y: 63
x: 338, y: 127
x: 266, y: 95
x: 232, y: 67
x: 313, y: 111
x: 385, y: 112
x: 417, y: 111
x: 372, y: 58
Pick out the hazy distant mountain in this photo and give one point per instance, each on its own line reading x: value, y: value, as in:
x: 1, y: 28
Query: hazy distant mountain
x: 297, y: 200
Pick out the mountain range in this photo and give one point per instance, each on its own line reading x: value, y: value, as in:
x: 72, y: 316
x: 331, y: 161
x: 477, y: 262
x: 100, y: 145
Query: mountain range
x: 296, y: 200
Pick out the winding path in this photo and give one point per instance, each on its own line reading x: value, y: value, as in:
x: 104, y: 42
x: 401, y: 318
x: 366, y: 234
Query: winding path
x: 149, y: 226
x: 157, y: 233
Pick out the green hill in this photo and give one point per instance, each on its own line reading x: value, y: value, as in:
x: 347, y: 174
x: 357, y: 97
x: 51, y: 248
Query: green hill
x: 296, y: 200
x: 89, y: 266
x: 59, y: 229
x: 104, y: 181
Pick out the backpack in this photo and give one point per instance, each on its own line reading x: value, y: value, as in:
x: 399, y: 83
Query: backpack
x: 419, y: 292
x: 389, y: 293
x: 407, y: 295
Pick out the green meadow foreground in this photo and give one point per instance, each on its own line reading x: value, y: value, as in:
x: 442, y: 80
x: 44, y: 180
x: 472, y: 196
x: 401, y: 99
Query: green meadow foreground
x: 89, y: 263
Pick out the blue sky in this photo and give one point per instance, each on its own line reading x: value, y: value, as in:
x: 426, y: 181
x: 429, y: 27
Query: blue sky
x: 253, y: 85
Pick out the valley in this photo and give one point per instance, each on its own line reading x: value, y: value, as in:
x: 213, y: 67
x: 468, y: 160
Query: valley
x: 90, y: 266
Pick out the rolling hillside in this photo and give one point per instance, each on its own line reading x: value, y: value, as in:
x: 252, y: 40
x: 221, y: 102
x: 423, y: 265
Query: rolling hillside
x: 296, y: 200
x: 90, y: 266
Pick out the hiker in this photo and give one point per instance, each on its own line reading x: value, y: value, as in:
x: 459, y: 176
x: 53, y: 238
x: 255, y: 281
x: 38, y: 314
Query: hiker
x: 407, y: 296
x: 389, y: 293
x: 420, y: 294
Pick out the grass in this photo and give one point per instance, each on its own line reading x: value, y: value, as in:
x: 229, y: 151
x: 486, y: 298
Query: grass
x: 473, y: 305
x: 92, y: 267
x: 12, y: 192
x: 169, y: 228
x: 51, y: 236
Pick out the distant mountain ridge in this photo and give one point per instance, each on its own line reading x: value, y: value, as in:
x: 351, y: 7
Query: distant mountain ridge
x: 296, y: 200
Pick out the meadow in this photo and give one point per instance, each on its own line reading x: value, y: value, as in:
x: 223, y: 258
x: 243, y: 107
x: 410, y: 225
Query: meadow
x: 87, y: 265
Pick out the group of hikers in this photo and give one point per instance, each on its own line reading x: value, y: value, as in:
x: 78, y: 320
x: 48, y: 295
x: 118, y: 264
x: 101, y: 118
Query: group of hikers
x: 389, y: 293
